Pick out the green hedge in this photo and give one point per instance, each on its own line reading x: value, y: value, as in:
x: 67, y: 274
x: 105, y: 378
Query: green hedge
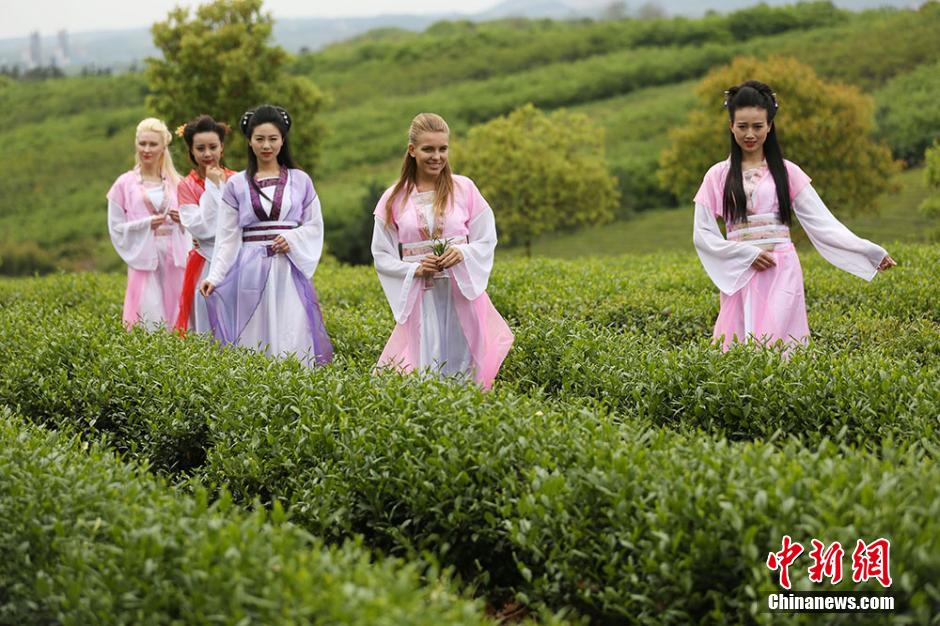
x: 88, y: 539
x: 568, y: 494
x: 630, y: 333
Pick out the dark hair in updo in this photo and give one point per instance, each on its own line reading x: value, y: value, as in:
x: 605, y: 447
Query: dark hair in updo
x: 203, y: 124
x: 753, y: 93
x: 267, y: 114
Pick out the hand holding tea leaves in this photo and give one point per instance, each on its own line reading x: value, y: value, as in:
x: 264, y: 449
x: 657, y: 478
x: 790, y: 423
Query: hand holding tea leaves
x: 439, y: 247
x: 447, y: 256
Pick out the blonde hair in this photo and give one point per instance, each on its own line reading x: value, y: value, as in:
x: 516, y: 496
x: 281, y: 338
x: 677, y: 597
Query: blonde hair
x: 407, y: 180
x: 152, y: 124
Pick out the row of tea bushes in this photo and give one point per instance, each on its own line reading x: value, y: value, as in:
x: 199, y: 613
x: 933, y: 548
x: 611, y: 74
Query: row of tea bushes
x: 86, y: 538
x: 882, y: 381
x: 666, y: 296
x: 866, y: 375
x: 562, y: 506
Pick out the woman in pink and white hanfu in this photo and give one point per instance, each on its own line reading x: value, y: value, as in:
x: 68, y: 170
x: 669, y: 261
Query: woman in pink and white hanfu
x: 756, y: 268
x: 144, y: 225
x: 445, y: 322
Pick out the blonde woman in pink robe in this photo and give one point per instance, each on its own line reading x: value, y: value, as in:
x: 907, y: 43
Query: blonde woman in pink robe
x: 144, y: 224
x: 756, y: 192
x: 445, y: 322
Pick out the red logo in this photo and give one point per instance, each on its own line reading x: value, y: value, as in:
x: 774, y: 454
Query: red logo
x: 783, y: 559
x: 826, y: 564
x: 869, y: 561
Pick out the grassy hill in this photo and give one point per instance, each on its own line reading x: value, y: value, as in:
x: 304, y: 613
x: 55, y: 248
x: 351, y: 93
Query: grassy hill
x: 71, y: 137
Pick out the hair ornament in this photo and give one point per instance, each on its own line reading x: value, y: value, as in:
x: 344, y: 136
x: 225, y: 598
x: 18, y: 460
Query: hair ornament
x: 284, y: 116
x: 180, y: 130
x: 246, y: 119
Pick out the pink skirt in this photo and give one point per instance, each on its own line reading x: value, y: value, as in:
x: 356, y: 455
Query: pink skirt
x: 771, y: 307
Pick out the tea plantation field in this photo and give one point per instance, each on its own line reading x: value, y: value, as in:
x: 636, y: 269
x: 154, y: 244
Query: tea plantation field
x: 623, y: 469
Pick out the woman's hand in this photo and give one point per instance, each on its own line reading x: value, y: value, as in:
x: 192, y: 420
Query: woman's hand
x: 174, y: 215
x: 429, y: 266
x: 886, y: 263
x: 215, y: 173
x: 280, y: 245
x: 450, y: 258
x: 206, y: 288
x: 764, y: 261
x: 157, y: 221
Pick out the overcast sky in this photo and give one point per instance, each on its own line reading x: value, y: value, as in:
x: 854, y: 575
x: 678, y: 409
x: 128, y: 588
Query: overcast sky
x: 21, y: 17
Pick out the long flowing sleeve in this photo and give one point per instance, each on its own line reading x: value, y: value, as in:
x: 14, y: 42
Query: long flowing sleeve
x: 306, y: 242
x: 473, y: 273
x: 836, y: 243
x: 228, y: 241
x: 133, y: 239
x: 200, y: 219
x: 395, y: 275
x: 727, y: 263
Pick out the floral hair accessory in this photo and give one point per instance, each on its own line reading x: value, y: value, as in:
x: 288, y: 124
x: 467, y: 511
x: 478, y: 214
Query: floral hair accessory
x: 180, y: 130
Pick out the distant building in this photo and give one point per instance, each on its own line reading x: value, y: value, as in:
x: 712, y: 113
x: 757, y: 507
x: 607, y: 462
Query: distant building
x: 35, y: 50
x: 62, y: 52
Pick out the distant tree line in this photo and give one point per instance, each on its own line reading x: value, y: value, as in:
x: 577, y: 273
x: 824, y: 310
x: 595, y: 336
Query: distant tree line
x: 47, y: 72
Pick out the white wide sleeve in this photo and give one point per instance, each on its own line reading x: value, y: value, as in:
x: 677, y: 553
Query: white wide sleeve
x: 200, y: 220
x: 727, y: 263
x: 395, y: 275
x: 228, y: 241
x: 306, y: 242
x: 473, y: 273
x: 836, y: 243
x: 133, y: 240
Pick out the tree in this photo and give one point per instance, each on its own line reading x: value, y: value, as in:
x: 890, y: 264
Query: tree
x: 907, y: 113
x: 931, y: 206
x: 219, y: 62
x: 349, y: 237
x: 823, y: 127
x: 540, y: 172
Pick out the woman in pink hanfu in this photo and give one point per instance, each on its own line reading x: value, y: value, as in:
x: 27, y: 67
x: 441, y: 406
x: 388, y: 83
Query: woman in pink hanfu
x: 756, y: 192
x: 445, y: 322
x: 144, y: 224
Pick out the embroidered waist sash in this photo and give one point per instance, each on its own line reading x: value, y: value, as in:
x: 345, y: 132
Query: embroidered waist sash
x: 266, y: 231
x: 764, y: 228
x: 414, y: 252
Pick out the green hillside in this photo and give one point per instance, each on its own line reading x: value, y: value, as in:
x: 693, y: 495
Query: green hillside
x: 896, y: 220
x: 72, y: 137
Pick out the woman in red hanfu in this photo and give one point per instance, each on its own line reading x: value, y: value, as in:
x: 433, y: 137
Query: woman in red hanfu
x: 200, y: 196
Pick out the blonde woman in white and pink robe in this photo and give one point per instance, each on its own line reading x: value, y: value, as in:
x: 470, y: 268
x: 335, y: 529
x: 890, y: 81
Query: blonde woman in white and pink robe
x: 756, y: 192
x: 433, y: 244
x: 144, y: 225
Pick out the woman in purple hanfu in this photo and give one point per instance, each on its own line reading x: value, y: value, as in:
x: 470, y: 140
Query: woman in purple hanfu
x: 756, y: 192
x: 268, y: 244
